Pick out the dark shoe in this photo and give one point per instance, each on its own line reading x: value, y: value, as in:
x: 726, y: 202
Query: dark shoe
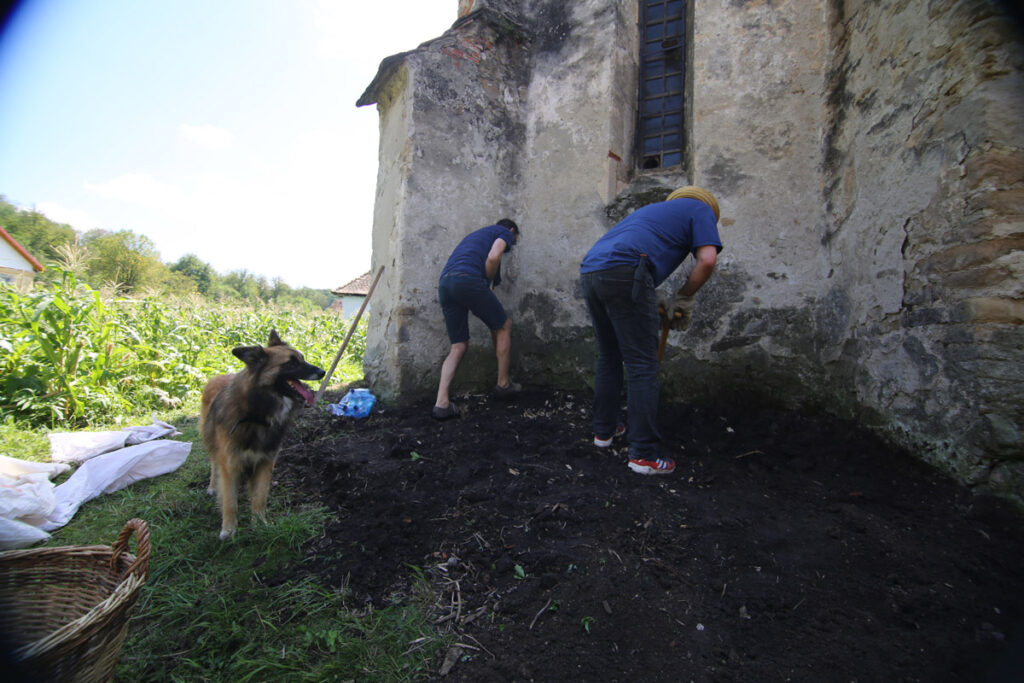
x: 659, y: 466
x: 442, y: 414
x: 506, y: 393
x: 605, y: 443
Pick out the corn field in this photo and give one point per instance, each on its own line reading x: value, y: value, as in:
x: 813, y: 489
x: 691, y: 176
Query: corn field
x: 73, y: 356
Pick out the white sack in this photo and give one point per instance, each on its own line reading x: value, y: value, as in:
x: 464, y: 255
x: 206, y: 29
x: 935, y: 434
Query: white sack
x: 27, y: 497
x: 15, y: 534
x: 81, y: 446
x: 26, y: 500
x: 14, y: 467
x: 113, y: 471
x: 142, y: 434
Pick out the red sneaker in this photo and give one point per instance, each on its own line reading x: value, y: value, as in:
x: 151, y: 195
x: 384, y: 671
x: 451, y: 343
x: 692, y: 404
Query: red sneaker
x: 605, y: 443
x: 659, y: 466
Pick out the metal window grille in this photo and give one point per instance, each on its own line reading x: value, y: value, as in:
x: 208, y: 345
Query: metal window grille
x: 662, y: 62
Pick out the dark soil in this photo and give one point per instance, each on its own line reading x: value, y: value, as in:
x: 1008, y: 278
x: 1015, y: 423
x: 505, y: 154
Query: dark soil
x: 784, y: 548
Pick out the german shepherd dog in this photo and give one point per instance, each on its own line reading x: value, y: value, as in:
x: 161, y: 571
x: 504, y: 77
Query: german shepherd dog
x: 244, y: 418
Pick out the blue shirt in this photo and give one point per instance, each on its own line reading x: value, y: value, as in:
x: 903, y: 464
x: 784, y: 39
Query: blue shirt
x: 471, y: 254
x: 665, y: 231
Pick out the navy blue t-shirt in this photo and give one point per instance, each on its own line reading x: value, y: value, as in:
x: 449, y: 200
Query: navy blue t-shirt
x: 471, y: 254
x: 665, y: 231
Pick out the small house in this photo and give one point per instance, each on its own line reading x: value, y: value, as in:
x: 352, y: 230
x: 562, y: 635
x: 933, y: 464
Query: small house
x: 351, y: 296
x: 17, y: 266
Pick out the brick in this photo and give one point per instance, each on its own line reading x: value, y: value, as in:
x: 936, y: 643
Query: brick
x: 996, y: 310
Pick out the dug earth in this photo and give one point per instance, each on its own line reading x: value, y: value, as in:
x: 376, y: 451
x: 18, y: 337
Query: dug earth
x: 784, y: 548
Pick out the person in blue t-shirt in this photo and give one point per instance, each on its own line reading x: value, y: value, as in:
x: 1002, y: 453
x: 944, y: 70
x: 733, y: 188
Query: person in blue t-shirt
x: 466, y: 286
x: 619, y: 275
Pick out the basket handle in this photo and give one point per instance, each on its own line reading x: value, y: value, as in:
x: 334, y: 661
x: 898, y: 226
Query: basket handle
x: 141, y: 563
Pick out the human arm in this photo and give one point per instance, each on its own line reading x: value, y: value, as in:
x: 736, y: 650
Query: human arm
x: 681, y: 308
x: 706, y: 257
x: 493, y: 262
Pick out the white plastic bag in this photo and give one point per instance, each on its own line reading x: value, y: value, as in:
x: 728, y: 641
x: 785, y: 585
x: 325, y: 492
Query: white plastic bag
x: 26, y: 500
x: 15, y: 534
x: 30, y: 504
x: 80, y: 446
x: 113, y: 471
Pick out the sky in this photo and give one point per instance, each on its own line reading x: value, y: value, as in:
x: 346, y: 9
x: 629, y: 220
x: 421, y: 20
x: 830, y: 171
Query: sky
x: 222, y: 128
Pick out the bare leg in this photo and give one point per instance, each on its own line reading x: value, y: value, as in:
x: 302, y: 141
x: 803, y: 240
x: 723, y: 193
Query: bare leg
x: 502, y: 347
x: 448, y: 368
x: 259, y: 488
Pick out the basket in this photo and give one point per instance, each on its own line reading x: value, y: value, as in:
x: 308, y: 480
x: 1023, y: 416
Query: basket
x: 65, y: 610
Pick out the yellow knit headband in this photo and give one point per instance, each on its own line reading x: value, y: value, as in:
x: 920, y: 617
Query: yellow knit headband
x: 698, y: 193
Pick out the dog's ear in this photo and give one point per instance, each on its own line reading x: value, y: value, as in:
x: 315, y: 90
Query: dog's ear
x: 275, y: 340
x: 252, y: 356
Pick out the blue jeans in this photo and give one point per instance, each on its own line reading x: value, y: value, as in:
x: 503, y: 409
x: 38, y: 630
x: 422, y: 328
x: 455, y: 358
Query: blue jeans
x: 627, y: 336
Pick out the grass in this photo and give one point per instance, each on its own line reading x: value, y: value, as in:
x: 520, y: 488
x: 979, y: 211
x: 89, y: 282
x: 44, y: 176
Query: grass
x: 219, y: 611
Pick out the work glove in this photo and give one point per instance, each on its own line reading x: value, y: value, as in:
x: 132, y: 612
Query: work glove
x: 664, y: 304
x: 679, y: 312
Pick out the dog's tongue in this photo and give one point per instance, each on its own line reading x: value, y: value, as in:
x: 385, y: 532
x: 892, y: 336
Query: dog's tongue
x: 303, y: 391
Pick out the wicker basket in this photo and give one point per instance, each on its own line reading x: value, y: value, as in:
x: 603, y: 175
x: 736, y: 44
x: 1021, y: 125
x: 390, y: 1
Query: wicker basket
x: 65, y: 610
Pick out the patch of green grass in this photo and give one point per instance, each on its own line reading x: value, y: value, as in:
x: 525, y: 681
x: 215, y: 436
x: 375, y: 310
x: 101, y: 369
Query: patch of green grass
x: 243, y: 609
x: 23, y: 442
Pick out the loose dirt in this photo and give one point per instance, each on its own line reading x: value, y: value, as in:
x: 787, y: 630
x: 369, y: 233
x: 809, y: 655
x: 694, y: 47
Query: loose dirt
x: 784, y: 548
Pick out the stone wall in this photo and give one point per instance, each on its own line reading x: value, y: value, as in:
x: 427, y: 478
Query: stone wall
x: 924, y: 173
x: 451, y: 127
x: 867, y: 159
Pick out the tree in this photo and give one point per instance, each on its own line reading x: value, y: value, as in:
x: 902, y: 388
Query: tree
x: 200, y: 272
x: 40, y: 236
x: 245, y: 285
x: 124, y: 259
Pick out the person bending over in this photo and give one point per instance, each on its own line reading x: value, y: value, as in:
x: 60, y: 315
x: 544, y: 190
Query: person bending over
x: 619, y: 275
x: 466, y: 286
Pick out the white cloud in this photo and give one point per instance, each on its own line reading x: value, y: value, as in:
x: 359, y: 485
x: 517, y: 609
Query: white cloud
x: 137, y: 188
x: 210, y: 137
x: 76, y: 218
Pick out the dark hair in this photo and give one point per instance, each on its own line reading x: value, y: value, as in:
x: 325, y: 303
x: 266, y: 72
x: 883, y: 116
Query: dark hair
x: 510, y: 224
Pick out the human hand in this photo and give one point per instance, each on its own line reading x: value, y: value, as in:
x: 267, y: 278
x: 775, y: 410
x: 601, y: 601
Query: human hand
x: 681, y: 311
x: 664, y: 304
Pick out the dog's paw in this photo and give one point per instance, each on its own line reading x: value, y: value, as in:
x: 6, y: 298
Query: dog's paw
x: 225, y: 534
x: 211, y: 491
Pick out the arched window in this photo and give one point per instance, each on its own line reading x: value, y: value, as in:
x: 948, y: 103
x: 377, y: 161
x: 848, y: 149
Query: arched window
x: 662, y: 65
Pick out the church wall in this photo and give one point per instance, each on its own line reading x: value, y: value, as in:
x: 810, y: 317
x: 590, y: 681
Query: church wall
x: 867, y: 159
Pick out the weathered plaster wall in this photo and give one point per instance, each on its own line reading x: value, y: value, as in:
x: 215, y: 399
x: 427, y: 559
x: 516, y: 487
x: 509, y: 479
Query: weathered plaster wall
x: 451, y: 129
x: 867, y: 158
x: 579, y: 123
x: 924, y: 172
x: 772, y: 310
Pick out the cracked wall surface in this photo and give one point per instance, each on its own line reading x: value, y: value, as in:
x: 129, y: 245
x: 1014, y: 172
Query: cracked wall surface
x: 868, y: 160
x: 924, y: 182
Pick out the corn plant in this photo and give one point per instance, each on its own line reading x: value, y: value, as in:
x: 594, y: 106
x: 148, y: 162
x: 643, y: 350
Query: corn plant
x: 72, y: 356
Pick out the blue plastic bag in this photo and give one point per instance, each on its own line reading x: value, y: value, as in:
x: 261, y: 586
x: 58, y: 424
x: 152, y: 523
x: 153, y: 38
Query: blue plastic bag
x: 356, y: 403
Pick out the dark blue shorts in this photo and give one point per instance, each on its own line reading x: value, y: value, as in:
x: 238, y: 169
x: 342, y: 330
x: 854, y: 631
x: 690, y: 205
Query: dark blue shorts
x: 461, y: 294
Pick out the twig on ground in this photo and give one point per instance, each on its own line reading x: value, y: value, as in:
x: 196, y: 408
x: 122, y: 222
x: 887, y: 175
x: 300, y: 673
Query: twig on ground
x: 537, y: 616
x: 478, y: 643
x: 415, y: 645
x: 480, y: 611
